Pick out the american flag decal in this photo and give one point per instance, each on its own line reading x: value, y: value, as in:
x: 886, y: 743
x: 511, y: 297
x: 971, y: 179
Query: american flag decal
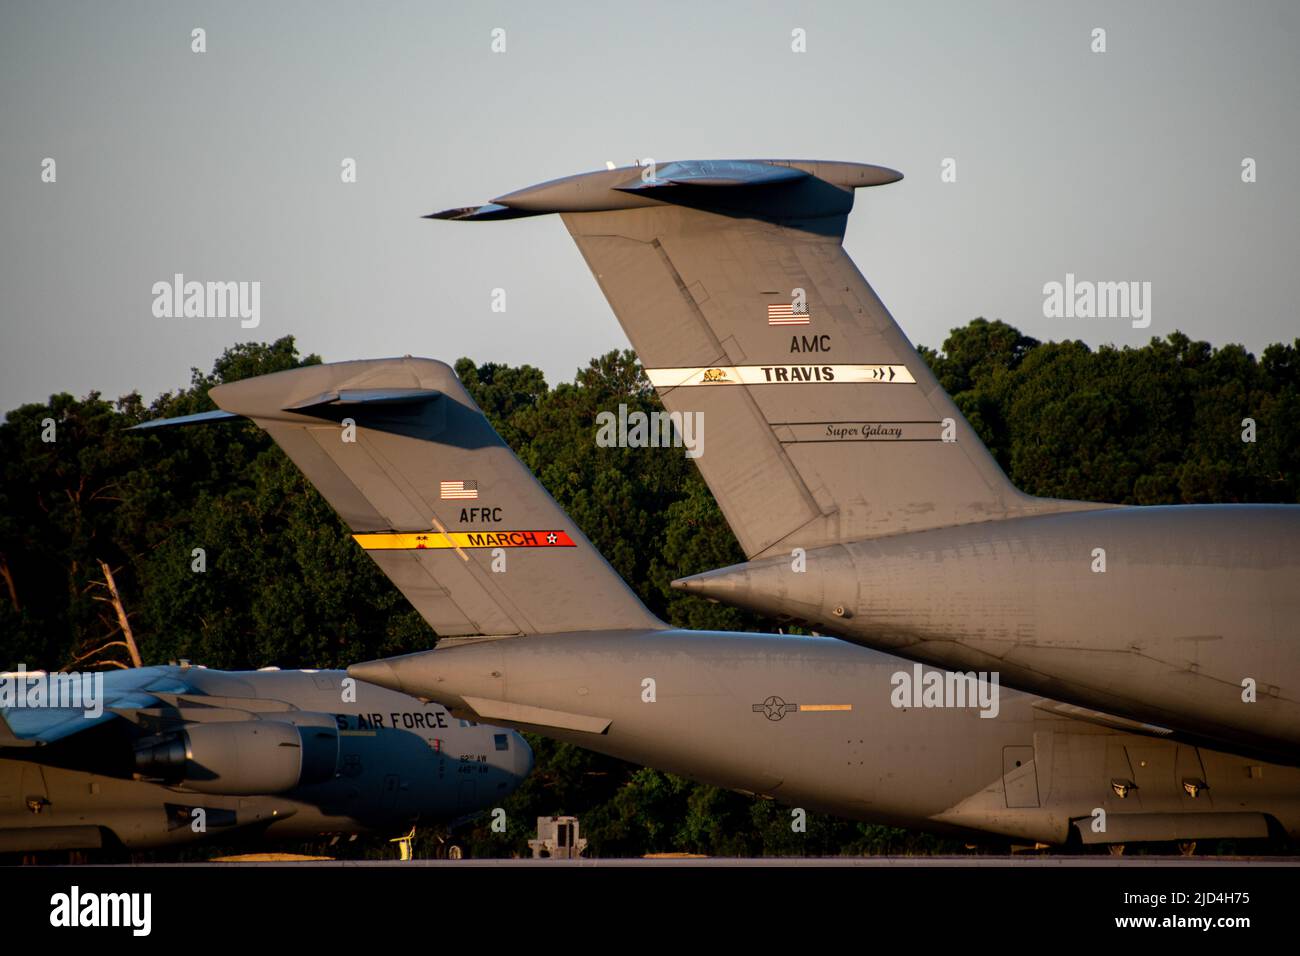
x: 785, y: 314
x: 457, y: 490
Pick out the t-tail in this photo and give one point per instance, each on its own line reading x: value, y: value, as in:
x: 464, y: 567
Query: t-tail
x: 437, y: 499
x: 730, y: 280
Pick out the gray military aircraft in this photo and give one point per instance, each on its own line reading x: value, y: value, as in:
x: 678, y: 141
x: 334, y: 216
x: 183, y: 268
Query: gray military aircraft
x: 868, y: 507
x: 540, y: 634
x: 173, y: 755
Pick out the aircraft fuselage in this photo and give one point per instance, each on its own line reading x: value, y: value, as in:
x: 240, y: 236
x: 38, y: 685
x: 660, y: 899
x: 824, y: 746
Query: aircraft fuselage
x: 1180, y: 616
x: 821, y: 724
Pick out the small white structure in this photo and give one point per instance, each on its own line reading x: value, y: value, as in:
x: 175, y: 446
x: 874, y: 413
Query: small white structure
x: 557, y: 839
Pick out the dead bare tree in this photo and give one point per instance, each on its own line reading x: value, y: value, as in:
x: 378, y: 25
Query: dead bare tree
x: 123, y: 626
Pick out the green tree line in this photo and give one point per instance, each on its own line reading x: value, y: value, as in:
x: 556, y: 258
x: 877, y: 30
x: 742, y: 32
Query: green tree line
x: 284, y: 584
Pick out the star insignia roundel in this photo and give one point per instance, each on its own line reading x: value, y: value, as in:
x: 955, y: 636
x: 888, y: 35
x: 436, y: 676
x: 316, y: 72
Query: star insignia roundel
x: 774, y: 708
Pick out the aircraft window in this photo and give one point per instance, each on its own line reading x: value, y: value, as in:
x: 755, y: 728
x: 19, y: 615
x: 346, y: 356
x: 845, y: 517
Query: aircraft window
x: 502, y: 741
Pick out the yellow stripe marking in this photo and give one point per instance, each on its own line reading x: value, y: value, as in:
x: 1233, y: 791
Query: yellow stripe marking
x: 824, y: 707
x: 455, y: 540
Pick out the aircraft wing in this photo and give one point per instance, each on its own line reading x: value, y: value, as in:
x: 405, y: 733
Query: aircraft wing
x: 93, y: 699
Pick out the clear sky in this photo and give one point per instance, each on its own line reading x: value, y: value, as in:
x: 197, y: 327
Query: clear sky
x: 1123, y: 165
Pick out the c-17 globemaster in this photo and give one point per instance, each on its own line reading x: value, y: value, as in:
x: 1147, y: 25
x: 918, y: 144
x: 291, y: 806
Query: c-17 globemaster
x: 172, y: 755
x: 540, y: 634
x: 867, y: 506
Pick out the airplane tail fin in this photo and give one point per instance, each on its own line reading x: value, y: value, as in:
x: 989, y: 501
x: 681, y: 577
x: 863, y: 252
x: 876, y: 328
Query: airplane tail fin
x: 437, y: 499
x: 731, y: 282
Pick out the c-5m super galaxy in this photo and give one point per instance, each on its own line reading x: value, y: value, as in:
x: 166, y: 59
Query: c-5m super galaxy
x: 868, y: 507
x: 173, y: 755
x: 540, y: 634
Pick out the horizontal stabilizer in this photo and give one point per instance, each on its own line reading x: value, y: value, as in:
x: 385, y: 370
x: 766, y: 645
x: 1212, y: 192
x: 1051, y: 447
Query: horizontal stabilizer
x: 202, y: 418
x: 486, y: 211
x: 730, y: 172
x: 784, y: 189
x: 365, y: 396
x: 347, y: 398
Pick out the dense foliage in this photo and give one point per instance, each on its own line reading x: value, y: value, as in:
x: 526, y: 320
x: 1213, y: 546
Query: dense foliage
x: 285, y: 586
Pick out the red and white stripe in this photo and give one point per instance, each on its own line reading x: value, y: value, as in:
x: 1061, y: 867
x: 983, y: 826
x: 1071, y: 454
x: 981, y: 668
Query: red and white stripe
x: 786, y: 315
x: 457, y: 490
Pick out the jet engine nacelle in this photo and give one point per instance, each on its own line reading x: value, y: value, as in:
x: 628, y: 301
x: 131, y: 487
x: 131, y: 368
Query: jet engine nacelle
x: 243, y: 757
